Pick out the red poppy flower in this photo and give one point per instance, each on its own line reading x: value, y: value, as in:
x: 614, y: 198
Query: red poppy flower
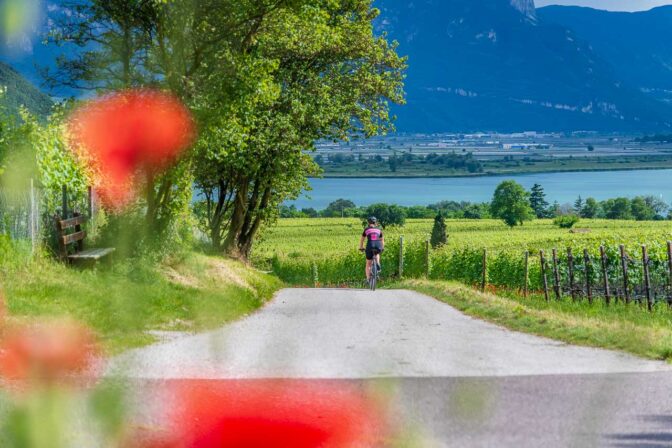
x: 266, y: 413
x: 46, y: 351
x: 124, y: 133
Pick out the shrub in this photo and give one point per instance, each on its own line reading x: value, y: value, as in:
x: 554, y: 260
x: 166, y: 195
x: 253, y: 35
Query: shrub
x: 566, y: 221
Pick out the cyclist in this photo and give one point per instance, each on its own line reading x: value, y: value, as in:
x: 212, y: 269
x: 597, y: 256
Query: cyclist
x: 374, y: 242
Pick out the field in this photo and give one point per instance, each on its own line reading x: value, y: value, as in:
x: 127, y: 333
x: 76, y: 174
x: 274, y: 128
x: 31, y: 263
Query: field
x: 309, y: 251
x: 309, y: 239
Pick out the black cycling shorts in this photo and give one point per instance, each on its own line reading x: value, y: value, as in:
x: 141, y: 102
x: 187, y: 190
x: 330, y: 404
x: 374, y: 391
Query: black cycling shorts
x: 370, y: 252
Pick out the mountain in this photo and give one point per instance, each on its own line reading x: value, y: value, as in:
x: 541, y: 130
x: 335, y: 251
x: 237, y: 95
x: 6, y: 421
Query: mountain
x: 637, y: 45
x: 526, y: 7
x: 496, y: 65
x: 20, y: 92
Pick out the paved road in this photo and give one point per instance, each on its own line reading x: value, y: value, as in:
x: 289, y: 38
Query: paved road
x: 464, y: 382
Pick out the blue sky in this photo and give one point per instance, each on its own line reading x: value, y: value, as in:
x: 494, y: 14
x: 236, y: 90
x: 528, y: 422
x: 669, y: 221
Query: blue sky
x: 613, y: 5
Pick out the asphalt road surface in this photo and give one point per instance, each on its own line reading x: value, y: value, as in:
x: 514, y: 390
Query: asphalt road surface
x: 457, y: 381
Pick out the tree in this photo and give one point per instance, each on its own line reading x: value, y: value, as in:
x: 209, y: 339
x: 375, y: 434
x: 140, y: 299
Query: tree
x: 296, y: 88
x: 387, y: 215
x: 394, y: 163
x: 538, y: 201
x: 310, y: 212
x: 658, y: 205
x: 590, y: 209
x: 338, y: 208
x: 619, y: 208
x: 641, y: 210
x: 439, y: 237
x: 578, y: 204
x: 511, y: 203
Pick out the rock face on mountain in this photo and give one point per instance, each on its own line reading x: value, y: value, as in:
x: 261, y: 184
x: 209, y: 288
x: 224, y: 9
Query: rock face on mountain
x: 525, y: 6
x: 484, y: 65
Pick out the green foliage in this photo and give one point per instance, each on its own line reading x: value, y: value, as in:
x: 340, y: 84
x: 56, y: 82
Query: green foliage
x: 387, y: 215
x: 122, y: 302
x: 618, y: 208
x: 439, y: 236
x: 590, y: 209
x: 21, y: 94
x: 538, y: 202
x: 294, y: 244
x: 511, y: 204
x: 340, y: 208
x: 566, y: 221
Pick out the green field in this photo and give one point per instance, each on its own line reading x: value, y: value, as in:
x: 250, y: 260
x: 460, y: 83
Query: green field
x: 308, y: 251
x: 307, y: 239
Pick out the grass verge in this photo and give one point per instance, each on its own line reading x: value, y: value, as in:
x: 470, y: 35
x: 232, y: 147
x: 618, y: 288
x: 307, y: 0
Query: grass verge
x: 126, y: 300
x: 620, y: 327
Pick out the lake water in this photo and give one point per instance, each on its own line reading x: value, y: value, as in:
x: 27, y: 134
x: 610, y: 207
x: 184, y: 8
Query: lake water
x: 563, y: 187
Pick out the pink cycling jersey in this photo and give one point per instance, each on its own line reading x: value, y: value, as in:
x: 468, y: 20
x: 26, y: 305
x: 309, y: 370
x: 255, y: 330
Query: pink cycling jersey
x: 373, y: 236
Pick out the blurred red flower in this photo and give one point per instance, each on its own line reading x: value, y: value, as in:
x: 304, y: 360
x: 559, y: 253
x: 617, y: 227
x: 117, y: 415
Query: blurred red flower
x: 120, y: 134
x: 268, y: 413
x: 46, y: 351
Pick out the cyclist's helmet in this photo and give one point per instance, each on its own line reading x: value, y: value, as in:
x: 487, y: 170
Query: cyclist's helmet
x: 372, y: 220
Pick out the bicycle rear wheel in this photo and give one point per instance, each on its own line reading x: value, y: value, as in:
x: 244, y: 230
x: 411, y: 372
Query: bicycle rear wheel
x: 374, y: 275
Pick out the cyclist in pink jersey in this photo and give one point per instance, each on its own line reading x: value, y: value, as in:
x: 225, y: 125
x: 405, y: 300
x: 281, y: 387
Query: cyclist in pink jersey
x: 375, y: 244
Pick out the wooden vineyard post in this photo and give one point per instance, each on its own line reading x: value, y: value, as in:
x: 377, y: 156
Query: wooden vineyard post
x: 484, y: 273
x: 527, y: 274
x: 624, y: 267
x: 570, y: 264
x: 589, y: 272
x: 647, y: 278
x: 605, y: 275
x: 401, y: 256
x: 556, y: 276
x: 427, y: 258
x: 544, y: 280
x: 669, y: 273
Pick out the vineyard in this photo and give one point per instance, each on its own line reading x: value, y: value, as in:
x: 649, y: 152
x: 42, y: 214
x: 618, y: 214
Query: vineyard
x: 602, y: 260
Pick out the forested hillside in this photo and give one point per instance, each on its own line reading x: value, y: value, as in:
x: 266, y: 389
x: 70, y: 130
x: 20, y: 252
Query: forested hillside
x: 20, y: 92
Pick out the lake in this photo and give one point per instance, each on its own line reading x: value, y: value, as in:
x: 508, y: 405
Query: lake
x: 561, y: 187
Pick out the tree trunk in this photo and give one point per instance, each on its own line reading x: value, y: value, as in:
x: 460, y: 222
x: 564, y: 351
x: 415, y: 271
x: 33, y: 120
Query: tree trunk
x: 230, y: 245
x: 247, y: 238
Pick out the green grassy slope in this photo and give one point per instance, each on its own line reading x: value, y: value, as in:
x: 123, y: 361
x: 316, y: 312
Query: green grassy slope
x: 124, y: 301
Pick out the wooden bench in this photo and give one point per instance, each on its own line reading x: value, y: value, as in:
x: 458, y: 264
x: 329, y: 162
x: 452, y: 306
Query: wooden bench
x: 71, y: 244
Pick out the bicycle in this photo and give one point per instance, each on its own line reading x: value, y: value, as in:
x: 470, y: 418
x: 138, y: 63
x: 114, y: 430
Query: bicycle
x: 373, y: 280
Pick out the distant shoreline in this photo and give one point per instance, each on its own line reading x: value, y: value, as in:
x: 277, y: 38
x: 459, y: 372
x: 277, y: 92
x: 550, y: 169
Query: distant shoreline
x: 488, y: 174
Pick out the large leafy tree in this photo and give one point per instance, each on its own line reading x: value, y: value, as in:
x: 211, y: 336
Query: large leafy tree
x: 265, y: 78
x: 169, y: 44
x: 314, y: 71
x: 511, y: 204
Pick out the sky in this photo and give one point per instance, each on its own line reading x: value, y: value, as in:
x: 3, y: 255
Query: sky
x: 613, y: 5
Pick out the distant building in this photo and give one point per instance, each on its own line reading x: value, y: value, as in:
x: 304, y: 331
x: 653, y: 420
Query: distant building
x: 524, y: 146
